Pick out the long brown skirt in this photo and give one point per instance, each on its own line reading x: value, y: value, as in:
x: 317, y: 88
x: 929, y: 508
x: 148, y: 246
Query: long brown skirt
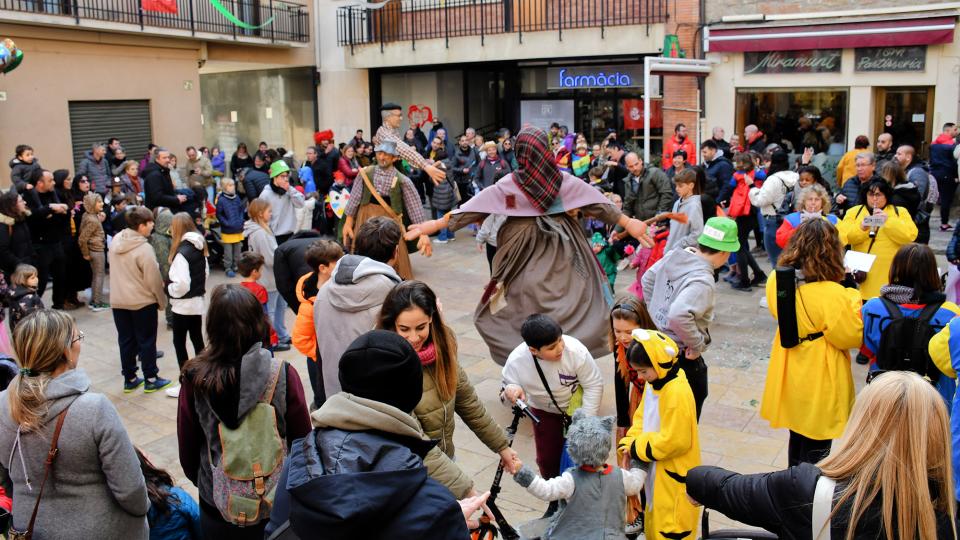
x: 545, y: 265
x: 402, y: 264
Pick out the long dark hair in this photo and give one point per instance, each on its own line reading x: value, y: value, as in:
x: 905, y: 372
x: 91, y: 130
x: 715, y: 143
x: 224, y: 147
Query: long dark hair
x: 417, y: 294
x: 158, y: 483
x: 235, y: 322
x: 8, y: 205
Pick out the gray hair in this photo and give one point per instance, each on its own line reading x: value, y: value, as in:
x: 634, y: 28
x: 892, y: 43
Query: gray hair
x: 385, y: 114
x: 871, y: 159
x: 98, y: 145
x: 813, y: 190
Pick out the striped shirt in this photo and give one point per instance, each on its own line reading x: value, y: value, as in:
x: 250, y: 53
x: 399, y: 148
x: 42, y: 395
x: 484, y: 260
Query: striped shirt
x: 406, y: 151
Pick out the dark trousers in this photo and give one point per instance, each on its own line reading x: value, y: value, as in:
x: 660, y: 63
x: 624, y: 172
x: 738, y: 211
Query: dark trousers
x: 757, y: 224
x: 315, y: 374
x: 696, y: 372
x: 548, y: 440
x: 464, y: 189
x: 137, y: 337
x: 491, y: 251
x: 214, y: 526
x: 182, y: 325
x: 52, y: 263
x: 947, y: 188
x: 801, y: 449
x: 744, y: 257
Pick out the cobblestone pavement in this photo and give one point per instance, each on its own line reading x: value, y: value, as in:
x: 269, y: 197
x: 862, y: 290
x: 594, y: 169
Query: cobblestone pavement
x: 732, y: 434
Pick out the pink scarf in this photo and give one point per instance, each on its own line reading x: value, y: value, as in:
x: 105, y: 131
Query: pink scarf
x: 428, y: 354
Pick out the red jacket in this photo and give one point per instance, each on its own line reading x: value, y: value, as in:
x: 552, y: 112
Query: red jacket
x: 672, y: 145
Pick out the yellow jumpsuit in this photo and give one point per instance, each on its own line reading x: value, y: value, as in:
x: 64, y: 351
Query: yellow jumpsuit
x: 664, y: 433
x: 897, y: 231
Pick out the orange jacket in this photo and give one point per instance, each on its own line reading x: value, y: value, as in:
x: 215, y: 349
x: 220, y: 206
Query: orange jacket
x: 304, y: 335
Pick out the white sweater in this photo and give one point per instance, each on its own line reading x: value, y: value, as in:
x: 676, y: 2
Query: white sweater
x: 180, y: 281
x: 575, y: 368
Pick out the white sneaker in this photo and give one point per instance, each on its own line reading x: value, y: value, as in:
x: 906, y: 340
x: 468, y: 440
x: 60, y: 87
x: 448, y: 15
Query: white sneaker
x: 173, y: 392
x: 623, y: 264
x: 636, y: 527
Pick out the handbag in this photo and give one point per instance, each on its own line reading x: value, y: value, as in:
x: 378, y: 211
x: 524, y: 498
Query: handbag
x: 567, y: 418
x: 48, y: 465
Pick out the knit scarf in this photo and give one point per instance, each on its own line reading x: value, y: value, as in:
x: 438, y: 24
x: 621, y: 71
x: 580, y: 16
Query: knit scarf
x: 538, y: 175
x: 899, y: 294
x: 428, y: 354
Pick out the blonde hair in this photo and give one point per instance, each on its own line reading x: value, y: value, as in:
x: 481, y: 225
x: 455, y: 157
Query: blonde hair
x: 22, y: 273
x: 895, y: 446
x: 813, y: 190
x: 40, y: 342
x: 181, y: 224
x: 126, y: 165
x: 256, y: 210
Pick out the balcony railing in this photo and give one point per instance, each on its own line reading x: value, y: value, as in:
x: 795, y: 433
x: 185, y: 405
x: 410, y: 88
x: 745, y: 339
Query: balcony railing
x: 290, y: 23
x: 414, y: 20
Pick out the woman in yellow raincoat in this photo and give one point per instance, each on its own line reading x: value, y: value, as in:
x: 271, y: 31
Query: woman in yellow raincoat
x: 664, y: 434
x: 809, y: 388
x: 880, y: 240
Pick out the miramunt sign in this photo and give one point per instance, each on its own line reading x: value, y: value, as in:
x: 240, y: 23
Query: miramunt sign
x: 812, y: 61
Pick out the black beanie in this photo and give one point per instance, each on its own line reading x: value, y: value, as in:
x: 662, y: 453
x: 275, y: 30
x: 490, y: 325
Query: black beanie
x: 382, y: 366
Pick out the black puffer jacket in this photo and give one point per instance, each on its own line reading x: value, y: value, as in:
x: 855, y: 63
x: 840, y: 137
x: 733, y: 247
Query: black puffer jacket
x: 16, y: 246
x: 782, y: 502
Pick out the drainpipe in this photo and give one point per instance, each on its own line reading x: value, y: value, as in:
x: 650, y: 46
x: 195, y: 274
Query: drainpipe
x: 316, y: 65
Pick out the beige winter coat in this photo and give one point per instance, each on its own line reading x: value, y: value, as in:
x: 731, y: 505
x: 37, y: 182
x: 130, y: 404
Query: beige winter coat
x: 91, y: 236
x: 135, y: 280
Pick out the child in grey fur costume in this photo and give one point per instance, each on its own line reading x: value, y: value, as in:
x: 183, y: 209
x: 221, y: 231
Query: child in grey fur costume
x: 594, y: 492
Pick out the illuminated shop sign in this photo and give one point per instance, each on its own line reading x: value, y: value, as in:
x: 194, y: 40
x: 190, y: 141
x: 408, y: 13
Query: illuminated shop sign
x: 574, y: 78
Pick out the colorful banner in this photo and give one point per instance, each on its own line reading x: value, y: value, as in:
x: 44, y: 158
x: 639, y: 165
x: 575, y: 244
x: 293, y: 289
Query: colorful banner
x: 160, y: 6
x: 633, y: 114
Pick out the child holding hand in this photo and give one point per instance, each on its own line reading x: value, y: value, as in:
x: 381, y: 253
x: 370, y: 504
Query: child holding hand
x: 251, y: 268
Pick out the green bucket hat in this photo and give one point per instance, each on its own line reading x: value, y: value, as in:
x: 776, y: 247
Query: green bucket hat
x: 278, y: 167
x: 720, y: 233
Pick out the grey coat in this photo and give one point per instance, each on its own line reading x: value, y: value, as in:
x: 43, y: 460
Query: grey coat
x: 96, y: 489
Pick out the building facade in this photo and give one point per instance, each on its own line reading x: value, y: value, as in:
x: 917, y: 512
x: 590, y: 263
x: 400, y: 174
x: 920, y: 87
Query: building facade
x: 94, y: 70
x: 821, y: 78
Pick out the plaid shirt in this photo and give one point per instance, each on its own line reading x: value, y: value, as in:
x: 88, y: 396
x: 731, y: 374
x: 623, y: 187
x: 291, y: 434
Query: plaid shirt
x: 407, y: 152
x: 382, y: 180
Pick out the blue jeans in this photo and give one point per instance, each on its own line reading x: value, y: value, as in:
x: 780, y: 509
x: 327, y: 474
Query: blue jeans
x: 276, y: 309
x: 445, y: 234
x: 770, y: 239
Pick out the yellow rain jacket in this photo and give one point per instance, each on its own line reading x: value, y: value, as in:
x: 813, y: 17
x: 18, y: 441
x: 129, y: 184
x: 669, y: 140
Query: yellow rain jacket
x: 664, y: 433
x: 897, y: 231
x: 809, y: 387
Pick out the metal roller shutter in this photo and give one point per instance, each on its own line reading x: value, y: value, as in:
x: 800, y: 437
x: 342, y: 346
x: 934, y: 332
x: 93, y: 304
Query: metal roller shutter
x: 96, y: 121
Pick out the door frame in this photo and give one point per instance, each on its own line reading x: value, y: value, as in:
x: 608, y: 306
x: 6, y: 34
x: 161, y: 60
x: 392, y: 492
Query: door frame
x: 879, y: 100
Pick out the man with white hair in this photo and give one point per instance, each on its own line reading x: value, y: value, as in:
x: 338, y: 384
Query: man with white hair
x: 722, y: 145
x: 753, y: 139
x: 392, y: 116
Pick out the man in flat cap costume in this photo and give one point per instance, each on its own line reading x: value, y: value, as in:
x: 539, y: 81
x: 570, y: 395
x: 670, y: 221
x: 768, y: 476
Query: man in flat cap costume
x: 390, y: 131
x: 380, y: 190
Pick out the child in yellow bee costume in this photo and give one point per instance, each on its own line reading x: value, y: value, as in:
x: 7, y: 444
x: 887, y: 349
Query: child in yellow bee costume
x: 663, y: 434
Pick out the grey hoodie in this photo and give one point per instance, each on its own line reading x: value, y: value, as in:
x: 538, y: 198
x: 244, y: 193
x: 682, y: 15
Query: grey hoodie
x: 347, y: 306
x: 262, y: 241
x: 96, y: 489
x: 680, y: 294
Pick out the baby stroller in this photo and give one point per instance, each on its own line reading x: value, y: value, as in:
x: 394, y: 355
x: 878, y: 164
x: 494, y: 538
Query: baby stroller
x: 212, y: 236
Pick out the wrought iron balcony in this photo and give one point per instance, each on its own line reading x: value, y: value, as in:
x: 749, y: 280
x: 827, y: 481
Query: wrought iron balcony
x: 414, y: 20
x: 291, y: 21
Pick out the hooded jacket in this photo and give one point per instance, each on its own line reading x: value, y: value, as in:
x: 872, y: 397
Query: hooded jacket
x: 360, y: 474
x: 16, y: 246
x: 161, y: 241
x: 188, y: 275
x: 290, y: 264
x: 719, y: 173
x: 304, y: 335
x: 770, y: 195
x: 231, y: 213
x: 283, y: 219
x: 97, y: 172
x: 346, y: 307
x: 199, y: 417
x: 22, y: 302
x: 20, y: 173
x: 683, y: 235
x: 681, y: 294
x: 96, y: 468
x: 92, y: 237
x: 907, y: 195
x: 898, y: 230
x: 262, y: 241
x: 943, y: 165
x: 664, y: 434
x: 135, y: 280
x: 674, y: 144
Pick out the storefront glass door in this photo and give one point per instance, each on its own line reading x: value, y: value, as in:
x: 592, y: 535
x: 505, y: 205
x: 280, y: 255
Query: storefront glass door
x: 595, y: 116
x: 907, y: 114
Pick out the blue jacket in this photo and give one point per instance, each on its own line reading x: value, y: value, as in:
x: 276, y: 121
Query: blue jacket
x: 945, y: 352
x: 183, y: 521
x: 218, y: 162
x: 876, y: 319
x: 942, y: 164
x: 231, y: 213
x: 345, y: 485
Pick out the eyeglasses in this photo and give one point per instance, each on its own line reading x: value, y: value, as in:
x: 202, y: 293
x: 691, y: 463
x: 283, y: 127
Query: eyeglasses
x: 80, y: 336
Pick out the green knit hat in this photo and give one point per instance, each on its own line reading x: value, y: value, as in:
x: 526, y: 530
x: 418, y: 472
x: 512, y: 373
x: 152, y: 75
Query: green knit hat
x: 278, y: 167
x: 720, y: 233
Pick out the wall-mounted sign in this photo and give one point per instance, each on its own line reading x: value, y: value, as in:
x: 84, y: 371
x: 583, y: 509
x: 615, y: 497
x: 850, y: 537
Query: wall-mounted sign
x: 891, y: 58
x: 583, y: 77
x: 633, y: 114
x: 813, y: 61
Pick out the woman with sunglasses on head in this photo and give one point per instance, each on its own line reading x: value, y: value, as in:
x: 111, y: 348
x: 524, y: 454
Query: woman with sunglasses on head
x: 809, y: 388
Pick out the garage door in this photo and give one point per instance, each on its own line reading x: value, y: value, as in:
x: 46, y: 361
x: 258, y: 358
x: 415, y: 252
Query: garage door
x: 96, y: 121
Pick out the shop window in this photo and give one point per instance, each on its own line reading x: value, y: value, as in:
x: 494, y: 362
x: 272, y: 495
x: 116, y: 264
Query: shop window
x: 797, y: 118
